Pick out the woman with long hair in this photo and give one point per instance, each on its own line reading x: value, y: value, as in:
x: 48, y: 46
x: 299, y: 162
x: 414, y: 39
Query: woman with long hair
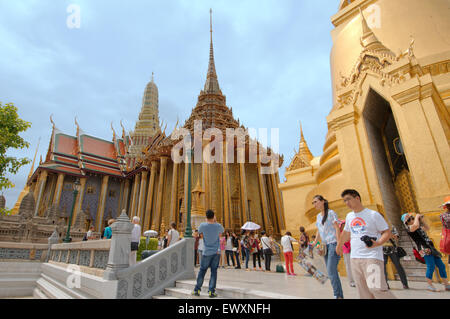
x: 229, y: 248
x: 417, y: 228
x: 328, y: 233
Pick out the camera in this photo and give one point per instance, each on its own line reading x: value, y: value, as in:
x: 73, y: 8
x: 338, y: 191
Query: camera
x: 368, y: 240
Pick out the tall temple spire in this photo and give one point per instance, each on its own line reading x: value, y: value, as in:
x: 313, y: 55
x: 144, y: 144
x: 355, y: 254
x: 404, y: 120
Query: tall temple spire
x: 211, y: 85
x: 34, y: 159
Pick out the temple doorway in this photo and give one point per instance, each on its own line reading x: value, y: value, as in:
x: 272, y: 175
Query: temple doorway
x: 391, y: 165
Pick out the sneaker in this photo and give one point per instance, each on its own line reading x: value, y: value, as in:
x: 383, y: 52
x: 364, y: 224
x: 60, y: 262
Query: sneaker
x: 293, y: 274
x: 212, y: 294
x: 352, y: 284
x: 432, y: 289
x: 405, y: 287
x: 260, y: 268
x: 196, y: 293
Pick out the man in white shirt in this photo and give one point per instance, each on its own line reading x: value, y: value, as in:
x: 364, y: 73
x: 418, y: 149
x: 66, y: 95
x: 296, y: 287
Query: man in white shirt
x: 135, y: 239
x: 366, y: 256
x: 173, y: 235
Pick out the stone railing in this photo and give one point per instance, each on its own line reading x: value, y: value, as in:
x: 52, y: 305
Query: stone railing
x: 157, y: 272
x: 91, y: 256
x: 152, y: 275
x: 10, y: 251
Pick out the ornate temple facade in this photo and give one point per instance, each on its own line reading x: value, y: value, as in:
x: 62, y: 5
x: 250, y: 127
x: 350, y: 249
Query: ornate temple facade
x: 389, y: 125
x: 136, y: 172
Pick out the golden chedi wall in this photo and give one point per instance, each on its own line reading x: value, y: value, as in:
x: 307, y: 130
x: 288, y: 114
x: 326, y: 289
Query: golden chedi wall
x: 389, y: 125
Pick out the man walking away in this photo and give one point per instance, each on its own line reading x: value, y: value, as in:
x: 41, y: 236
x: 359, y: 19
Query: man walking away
x: 368, y: 231
x: 211, y: 253
x: 173, y: 235
x: 135, y: 239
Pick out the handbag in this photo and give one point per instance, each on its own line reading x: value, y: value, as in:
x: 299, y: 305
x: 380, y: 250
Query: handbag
x: 322, y: 250
x: 134, y: 246
x: 401, y: 252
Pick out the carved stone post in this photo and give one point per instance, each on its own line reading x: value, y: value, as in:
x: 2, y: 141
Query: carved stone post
x: 53, y: 239
x: 119, y: 253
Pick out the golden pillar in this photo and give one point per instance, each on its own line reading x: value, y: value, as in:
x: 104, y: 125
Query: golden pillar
x: 276, y: 197
x: 58, y: 191
x: 263, y: 195
x: 226, y: 190
x: 40, y: 191
x: 174, y: 194
x: 244, y: 197
x: 137, y: 180
x: 101, y: 206
x: 149, y: 205
x: 141, y: 201
x: 79, y: 199
x: 159, y: 199
x: 125, y: 196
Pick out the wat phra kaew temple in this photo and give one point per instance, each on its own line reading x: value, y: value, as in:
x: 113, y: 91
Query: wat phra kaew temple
x: 136, y: 172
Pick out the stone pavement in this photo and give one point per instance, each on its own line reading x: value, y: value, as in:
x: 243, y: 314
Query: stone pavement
x: 302, y: 286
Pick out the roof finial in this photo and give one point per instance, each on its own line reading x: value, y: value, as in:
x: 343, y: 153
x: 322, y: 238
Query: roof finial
x: 32, y: 165
x: 210, y: 22
x: 153, y: 77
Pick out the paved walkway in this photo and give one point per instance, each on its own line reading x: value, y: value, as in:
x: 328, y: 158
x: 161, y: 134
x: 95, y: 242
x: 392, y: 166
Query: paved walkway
x: 302, y: 286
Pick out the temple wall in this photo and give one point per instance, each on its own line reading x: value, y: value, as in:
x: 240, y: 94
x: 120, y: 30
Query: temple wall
x: 91, y: 200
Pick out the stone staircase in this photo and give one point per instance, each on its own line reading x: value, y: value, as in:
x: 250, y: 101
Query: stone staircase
x: 183, y: 290
x: 414, y: 270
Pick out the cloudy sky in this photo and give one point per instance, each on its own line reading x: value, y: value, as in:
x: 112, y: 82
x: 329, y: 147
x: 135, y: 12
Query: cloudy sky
x: 272, y: 61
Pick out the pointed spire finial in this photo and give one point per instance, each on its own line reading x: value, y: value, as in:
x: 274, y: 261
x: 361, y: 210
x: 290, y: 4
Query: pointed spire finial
x: 153, y: 77
x: 211, y: 85
x: 34, y: 158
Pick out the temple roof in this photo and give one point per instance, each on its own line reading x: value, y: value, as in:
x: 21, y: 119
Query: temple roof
x: 77, y: 155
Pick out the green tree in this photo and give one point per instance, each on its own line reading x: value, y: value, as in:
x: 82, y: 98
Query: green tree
x: 10, y: 127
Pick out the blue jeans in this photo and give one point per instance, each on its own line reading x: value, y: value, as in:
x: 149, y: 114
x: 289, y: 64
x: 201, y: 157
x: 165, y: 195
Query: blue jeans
x: 247, y: 256
x: 433, y: 262
x: 332, y: 261
x: 211, y: 261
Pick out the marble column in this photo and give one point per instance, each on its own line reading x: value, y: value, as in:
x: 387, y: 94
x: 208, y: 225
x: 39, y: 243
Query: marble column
x: 101, y: 205
x: 149, y: 206
x: 42, y: 181
x: 159, y: 199
x: 141, y: 200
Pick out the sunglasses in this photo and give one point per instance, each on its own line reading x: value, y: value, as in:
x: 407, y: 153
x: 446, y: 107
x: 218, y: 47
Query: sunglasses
x: 408, y: 220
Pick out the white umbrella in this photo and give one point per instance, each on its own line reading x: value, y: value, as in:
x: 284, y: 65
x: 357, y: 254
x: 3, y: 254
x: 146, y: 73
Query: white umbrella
x: 151, y: 233
x: 250, y: 226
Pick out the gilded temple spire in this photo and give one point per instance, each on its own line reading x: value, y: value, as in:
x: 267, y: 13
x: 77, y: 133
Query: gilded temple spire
x: 212, y: 84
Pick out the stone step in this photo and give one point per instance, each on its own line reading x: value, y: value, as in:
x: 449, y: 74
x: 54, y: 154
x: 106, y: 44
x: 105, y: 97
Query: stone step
x: 38, y: 294
x: 164, y: 297
x: 230, y: 292
x: 181, y: 293
x: 74, y: 293
x: 51, y: 291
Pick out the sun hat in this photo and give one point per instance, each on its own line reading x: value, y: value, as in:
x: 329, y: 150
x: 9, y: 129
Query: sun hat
x: 446, y: 201
x: 404, y: 217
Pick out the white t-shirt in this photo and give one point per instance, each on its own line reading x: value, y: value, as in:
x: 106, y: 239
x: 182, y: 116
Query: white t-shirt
x: 286, y: 243
x: 265, y: 241
x: 201, y: 245
x: 229, y: 245
x: 136, y: 234
x: 175, y: 236
x: 366, y: 222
